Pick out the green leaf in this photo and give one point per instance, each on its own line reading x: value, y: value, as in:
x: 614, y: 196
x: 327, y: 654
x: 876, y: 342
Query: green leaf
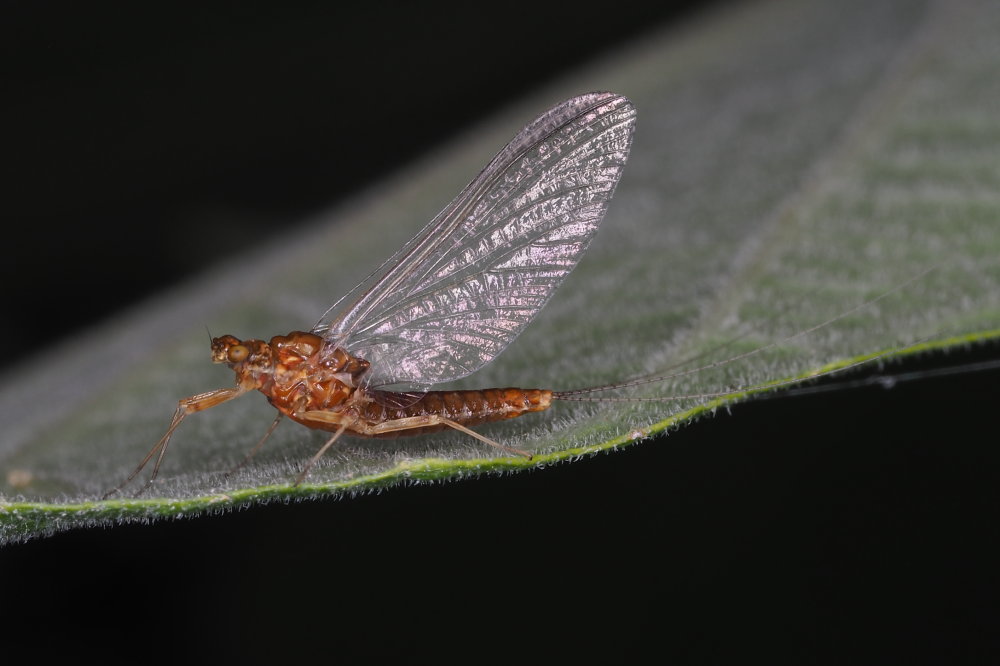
x: 792, y: 161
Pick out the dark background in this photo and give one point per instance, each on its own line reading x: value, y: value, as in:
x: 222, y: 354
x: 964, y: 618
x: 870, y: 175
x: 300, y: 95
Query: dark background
x: 143, y: 142
x: 855, y: 525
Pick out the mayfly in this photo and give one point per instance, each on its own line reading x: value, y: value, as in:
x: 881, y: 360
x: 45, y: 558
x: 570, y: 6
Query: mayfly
x: 448, y: 302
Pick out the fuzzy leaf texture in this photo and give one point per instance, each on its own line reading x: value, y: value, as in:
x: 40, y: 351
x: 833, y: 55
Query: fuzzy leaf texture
x: 791, y: 161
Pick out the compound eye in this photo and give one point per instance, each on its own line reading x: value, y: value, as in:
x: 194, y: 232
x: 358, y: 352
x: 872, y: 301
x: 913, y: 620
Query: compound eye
x: 237, y: 353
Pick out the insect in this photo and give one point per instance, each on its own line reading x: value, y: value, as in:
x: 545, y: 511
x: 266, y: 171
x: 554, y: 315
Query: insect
x: 448, y: 302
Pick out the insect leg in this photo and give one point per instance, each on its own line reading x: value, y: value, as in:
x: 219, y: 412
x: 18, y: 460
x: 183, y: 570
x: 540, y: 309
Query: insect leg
x: 415, y: 422
x: 258, y: 446
x: 347, y: 419
x: 482, y: 438
x: 195, y: 403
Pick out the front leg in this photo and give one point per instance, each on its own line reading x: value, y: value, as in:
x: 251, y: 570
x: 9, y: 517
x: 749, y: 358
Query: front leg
x: 195, y: 403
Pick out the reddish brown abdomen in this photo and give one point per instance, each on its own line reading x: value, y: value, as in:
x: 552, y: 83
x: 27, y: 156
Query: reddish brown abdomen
x: 466, y: 407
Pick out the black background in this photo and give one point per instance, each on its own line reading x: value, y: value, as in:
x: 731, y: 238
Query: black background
x: 856, y: 525
x: 143, y: 142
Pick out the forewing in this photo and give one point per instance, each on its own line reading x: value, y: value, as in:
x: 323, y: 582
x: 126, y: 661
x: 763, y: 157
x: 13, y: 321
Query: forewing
x: 459, y: 292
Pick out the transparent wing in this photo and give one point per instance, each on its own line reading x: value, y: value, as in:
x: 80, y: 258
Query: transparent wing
x: 460, y: 291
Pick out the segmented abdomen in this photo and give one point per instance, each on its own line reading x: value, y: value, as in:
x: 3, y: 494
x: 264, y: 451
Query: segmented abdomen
x: 466, y: 407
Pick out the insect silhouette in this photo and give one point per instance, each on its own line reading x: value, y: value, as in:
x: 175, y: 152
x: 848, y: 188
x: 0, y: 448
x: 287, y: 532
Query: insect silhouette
x: 448, y: 302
